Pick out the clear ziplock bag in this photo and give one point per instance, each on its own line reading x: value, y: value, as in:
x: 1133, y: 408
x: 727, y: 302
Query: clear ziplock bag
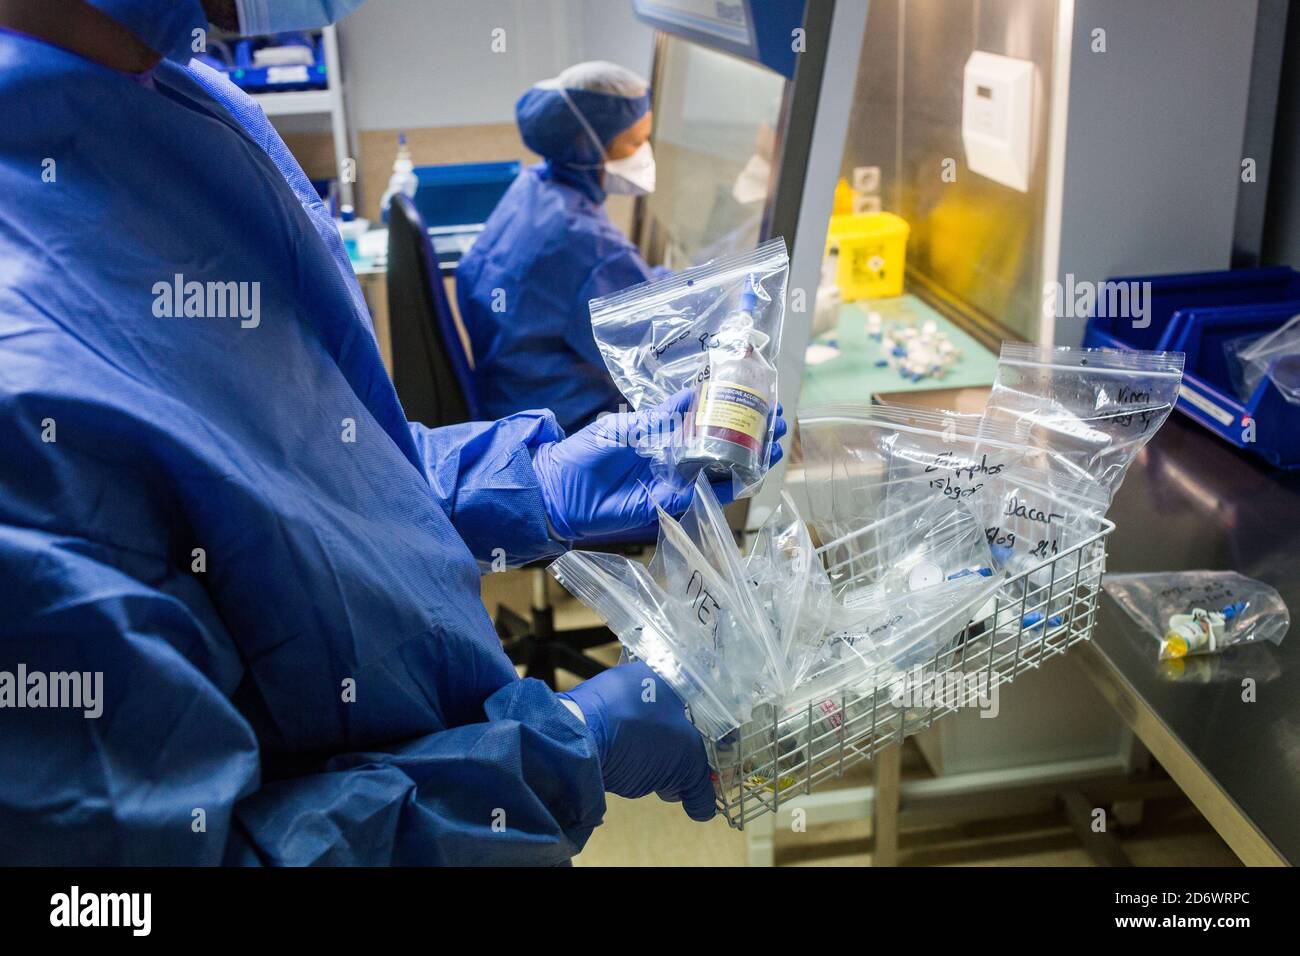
x: 907, y: 586
x: 731, y: 635
x: 903, y: 584
x: 1037, y: 514
x: 791, y: 587
x: 699, y: 560
x: 864, y: 455
x: 676, y: 642
x: 691, y: 615
x: 1275, y: 355
x: 1089, y: 410
x: 1200, y: 612
x: 1040, y: 515
x: 715, y: 329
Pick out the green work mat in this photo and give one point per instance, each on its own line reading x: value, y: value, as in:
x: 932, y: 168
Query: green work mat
x: 852, y: 376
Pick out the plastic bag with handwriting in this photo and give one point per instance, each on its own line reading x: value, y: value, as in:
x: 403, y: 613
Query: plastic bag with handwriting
x: 1089, y: 411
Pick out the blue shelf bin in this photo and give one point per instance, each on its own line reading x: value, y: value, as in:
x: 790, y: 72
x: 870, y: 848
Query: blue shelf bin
x: 1171, y: 293
x: 1199, y: 313
x: 462, y: 194
x: 279, y: 79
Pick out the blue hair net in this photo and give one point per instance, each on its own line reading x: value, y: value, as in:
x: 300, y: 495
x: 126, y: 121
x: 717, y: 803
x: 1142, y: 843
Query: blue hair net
x: 165, y: 26
x: 609, y: 98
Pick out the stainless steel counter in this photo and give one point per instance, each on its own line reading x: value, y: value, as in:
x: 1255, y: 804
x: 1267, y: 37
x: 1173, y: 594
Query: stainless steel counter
x: 1190, y: 502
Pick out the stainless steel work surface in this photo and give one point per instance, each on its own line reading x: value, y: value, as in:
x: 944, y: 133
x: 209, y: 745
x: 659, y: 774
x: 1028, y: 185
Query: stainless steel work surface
x: 1190, y: 502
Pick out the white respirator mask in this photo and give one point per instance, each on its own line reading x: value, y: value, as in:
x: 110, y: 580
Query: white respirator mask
x: 633, y: 175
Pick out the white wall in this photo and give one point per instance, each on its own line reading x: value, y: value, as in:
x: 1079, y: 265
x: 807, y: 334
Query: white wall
x: 419, y: 63
x: 1155, y: 137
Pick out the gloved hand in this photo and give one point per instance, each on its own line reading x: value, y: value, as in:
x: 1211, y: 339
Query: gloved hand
x: 645, y: 742
x: 594, y: 482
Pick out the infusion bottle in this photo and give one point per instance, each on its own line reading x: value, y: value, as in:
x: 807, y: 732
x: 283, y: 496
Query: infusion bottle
x: 727, y: 428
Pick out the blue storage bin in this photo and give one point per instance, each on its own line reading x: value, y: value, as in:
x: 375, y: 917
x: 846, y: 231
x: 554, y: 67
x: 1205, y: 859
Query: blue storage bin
x: 279, y: 79
x: 1197, y: 314
x: 1170, y: 293
x: 462, y: 194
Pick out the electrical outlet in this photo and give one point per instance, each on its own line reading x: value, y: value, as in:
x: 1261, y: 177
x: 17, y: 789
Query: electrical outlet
x: 863, y: 204
x: 866, y: 180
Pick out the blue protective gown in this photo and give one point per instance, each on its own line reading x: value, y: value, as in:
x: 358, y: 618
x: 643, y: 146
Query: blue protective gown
x: 273, y: 571
x: 549, y: 247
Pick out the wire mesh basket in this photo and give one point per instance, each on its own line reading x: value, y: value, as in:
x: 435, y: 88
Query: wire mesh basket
x: 1036, y: 615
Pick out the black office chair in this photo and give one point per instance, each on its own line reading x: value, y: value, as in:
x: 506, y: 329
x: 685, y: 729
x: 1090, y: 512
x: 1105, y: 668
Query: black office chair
x: 435, y: 382
x: 430, y: 368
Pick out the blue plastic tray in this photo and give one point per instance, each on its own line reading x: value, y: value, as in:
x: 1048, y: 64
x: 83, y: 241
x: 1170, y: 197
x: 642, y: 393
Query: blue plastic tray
x: 279, y: 79
x: 462, y: 194
x: 1197, y: 314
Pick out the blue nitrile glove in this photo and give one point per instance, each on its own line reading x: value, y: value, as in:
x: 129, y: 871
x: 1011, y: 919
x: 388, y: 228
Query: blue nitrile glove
x: 594, y: 482
x: 646, y: 744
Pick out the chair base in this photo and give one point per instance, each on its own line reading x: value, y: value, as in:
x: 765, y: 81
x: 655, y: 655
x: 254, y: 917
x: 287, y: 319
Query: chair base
x: 533, y: 642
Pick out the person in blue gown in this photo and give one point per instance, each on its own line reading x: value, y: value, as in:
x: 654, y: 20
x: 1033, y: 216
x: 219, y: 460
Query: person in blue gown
x: 240, y: 618
x: 549, y: 247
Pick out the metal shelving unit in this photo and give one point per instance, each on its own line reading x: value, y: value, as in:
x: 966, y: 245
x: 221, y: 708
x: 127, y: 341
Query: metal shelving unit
x: 330, y: 102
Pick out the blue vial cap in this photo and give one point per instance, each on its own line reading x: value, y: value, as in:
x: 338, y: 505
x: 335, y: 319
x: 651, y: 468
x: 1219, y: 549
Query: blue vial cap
x: 749, y: 297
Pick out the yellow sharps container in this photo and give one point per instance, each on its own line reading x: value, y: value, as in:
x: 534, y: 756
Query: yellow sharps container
x: 872, y: 249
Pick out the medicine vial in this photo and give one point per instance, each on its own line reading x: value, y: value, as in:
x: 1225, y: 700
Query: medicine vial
x: 728, y: 427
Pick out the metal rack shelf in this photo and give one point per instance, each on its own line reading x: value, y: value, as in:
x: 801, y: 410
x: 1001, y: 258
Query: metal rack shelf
x: 1038, y: 614
x: 296, y: 103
